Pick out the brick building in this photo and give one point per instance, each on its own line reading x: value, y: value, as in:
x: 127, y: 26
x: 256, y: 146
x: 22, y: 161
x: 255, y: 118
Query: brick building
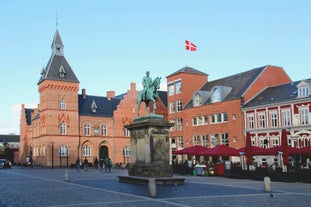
x: 209, y: 113
x: 67, y: 125
x: 286, y: 106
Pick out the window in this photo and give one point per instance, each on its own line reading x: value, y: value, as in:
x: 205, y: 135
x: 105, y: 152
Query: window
x: 173, y: 142
x: 179, y: 105
x: 214, y: 140
x: 178, y: 87
x: 262, y: 121
x: 194, y: 121
x: 274, y: 142
x: 197, y: 101
x: 93, y: 106
x: 286, y: 118
x: 126, y: 132
x: 62, y: 71
x: 62, y: 104
x: 87, y: 130
x: 172, y: 107
x: 212, y: 117
x: 179, y: 124
x: 303, y: 92
x: 224, y: 117
x: 171, y: 89
x: 173, y: 128
x: 63, y: 128
x: 225, y: 139
x: 218, y: 116
x: 104, y: 130
x: 196, y: 140
x: 180, y: 142
x: 274, y: 119
x: 44, y: 151
x: 250, y: 121
x: 86, y: 150
x: 63, y: 151
x: 205, y: 140
x: 216, y: 97
x: 304, y: 116
x: 126, y: 151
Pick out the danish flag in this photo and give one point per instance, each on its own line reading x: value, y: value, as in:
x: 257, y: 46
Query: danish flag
x: 190, y: 46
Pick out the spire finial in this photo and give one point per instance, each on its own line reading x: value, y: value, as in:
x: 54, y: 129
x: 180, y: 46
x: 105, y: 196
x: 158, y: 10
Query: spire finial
x: 56, y: 20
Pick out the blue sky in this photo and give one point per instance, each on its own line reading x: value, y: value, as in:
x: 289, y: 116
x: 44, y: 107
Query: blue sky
x: 110, y: 44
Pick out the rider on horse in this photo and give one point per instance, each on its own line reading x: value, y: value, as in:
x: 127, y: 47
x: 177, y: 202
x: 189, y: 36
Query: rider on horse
x: 147, y: 81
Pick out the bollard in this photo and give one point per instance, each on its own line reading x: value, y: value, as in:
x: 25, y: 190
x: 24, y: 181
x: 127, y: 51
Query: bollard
x: 66, y: 179
x: 152, y: 187
x: 267, y: 184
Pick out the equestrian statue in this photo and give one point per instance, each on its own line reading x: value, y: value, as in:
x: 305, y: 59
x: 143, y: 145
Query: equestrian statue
x: 149, y: 92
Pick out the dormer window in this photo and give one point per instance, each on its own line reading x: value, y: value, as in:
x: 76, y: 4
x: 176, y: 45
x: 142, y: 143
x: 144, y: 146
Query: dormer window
x: 62, y: 71
x: 93, y: 106
x: 197, y: 101
x: 216, y: 97
x: 304, y: 88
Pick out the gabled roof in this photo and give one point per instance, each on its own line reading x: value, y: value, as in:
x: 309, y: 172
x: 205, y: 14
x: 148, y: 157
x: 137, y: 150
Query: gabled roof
x: 163, y: 97
x: 276, y: 94
x: 238, y: 82
x: 105, y: 107
x: 187, y: 69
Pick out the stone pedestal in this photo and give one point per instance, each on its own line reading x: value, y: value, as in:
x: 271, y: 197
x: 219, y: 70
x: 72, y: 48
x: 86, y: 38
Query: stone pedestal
x: 150, y: 147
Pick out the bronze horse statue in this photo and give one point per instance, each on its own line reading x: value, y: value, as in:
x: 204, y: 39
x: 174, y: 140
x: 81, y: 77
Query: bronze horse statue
x: 149, y: 94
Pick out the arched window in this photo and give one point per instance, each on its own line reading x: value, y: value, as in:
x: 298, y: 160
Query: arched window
x: 86, y: 150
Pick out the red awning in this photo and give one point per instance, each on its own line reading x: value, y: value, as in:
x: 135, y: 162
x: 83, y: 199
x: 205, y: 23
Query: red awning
x: 221, y: 150
x: 193, y: 150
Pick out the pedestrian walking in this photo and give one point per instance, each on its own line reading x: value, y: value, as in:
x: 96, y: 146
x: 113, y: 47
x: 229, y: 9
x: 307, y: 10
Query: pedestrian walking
x: 86, y: 164
x: 78, y: 164
x: 106, y: 163
x: 96, y: 164
x: 109, y: 165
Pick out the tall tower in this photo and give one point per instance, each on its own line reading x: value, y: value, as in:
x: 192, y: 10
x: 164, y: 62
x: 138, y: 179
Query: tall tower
x: 58, y: 117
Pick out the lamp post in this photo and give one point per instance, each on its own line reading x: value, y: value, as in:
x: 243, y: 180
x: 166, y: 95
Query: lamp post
x: 60, y: 156
x: 52, y: 154
x: 67, y: 148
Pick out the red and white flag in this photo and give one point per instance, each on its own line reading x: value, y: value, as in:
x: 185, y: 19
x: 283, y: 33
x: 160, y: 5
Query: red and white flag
x: 190, y: 46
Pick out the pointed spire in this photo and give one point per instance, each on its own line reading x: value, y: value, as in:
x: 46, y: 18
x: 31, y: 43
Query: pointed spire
x: 57, y: 44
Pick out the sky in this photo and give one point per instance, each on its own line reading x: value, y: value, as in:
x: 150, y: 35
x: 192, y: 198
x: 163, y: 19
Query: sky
x: 110, y: 44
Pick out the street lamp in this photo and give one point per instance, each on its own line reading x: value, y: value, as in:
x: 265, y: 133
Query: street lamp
x: 52, y: 143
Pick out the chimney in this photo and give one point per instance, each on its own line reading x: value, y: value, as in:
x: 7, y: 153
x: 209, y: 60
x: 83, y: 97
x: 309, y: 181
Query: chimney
x: 111, y: 94
x: 84, y: 93
x: 133, y: 86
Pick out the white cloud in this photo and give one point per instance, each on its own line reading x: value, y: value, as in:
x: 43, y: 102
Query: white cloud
x: 11, y: 124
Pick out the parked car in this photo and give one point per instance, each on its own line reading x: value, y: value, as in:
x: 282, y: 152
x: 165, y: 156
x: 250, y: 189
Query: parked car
x: 5, y: 163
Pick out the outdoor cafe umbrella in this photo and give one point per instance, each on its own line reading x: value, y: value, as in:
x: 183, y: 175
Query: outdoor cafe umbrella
x: 221, y: 150
x: 284, y: 146
x: 193, y: 150
x: 248, y: 149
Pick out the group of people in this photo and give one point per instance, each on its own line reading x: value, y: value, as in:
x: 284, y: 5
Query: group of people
x: 105, y: 164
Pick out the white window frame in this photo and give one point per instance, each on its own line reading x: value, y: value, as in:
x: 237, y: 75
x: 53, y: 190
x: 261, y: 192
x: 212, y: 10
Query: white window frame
x: 86, y: 150
x: 87, y: 130
x: 62, y: 104
x: 179, y: 105
x: 178, y: 86
x: 63, y: 128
